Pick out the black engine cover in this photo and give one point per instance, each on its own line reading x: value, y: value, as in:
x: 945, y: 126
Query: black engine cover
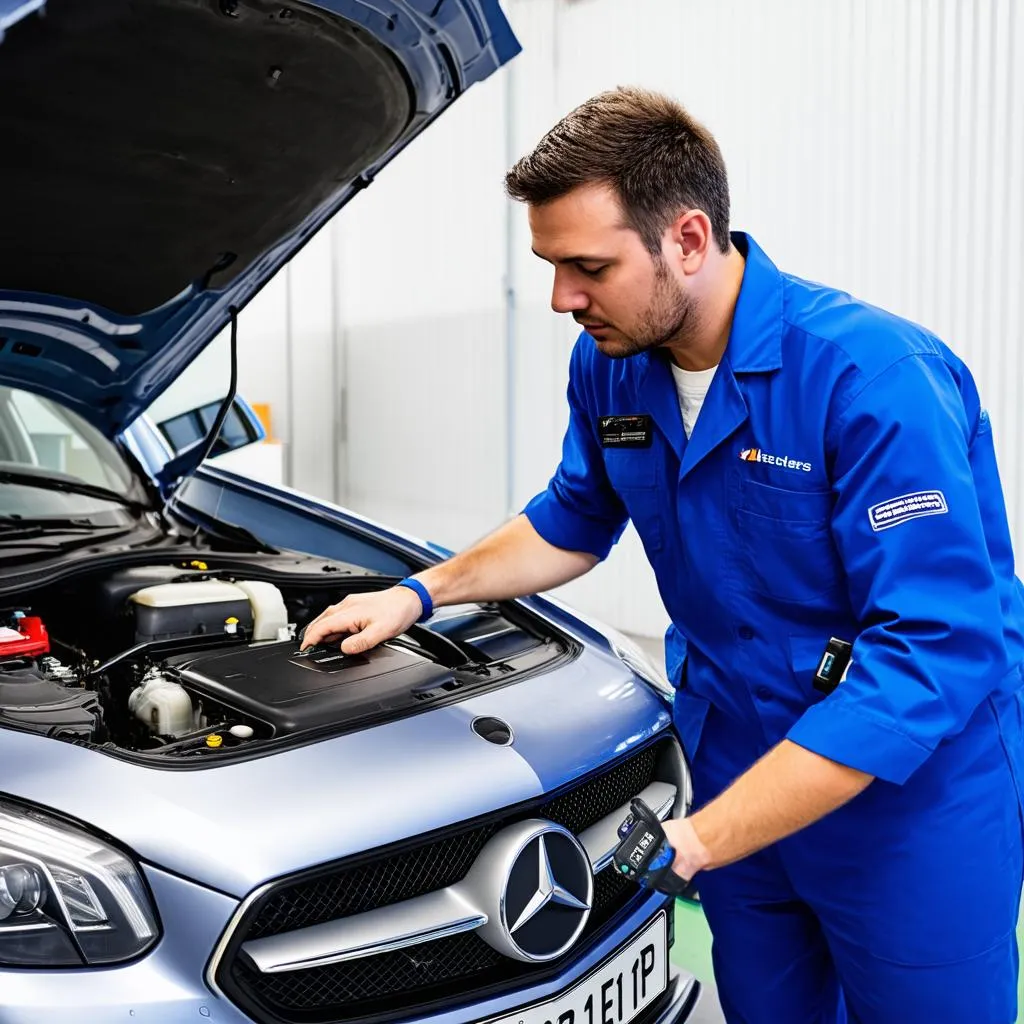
x: 292, y: 691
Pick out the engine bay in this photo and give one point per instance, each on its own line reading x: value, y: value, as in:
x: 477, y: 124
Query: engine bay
x: 198, y: 659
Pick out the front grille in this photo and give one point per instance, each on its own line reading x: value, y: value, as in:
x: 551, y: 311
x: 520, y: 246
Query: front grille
x: 404, y: 981
x: 371, y: 885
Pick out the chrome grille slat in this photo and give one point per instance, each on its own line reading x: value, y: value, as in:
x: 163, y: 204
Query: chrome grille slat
x: 426, y: 918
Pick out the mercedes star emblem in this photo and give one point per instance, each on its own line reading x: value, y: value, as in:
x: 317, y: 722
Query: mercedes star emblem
x: 535, y: 882
x: 547, y: 891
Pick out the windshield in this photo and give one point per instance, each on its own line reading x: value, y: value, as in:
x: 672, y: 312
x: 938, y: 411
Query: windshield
x: 39, y: 438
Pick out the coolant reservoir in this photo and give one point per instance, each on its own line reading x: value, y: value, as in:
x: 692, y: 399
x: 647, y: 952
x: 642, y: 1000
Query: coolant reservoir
x: 170, y: 610
x: 269, y: 614
x: 163, y: 705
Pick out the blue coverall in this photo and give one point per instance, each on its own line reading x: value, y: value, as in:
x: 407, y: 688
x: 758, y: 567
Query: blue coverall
x: 840, y: 481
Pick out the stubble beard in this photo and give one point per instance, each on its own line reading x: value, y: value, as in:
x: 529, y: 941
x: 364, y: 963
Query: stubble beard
x: 670, y: 317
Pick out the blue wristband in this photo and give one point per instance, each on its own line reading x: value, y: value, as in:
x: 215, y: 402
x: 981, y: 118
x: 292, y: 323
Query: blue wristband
x: 423, y: 594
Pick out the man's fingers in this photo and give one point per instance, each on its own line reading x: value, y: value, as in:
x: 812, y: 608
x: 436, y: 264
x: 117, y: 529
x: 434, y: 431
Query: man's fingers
x: 365, y: 639
x: 363, y: 621
x: 333, y: 637
x: 316, y: 629
x: 329, y: 627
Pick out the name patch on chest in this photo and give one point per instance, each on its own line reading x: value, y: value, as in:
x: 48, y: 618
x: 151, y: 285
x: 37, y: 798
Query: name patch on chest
x: 906, y: 506
x: 625, y: 431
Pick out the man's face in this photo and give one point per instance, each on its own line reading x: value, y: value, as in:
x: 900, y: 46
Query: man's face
x: 626, y: 299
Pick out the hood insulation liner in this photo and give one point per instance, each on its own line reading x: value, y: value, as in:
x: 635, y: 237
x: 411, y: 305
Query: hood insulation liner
x: 143, y: 140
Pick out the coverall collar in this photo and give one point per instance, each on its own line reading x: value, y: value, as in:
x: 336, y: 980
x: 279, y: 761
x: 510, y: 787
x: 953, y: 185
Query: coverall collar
x: 755, y: 340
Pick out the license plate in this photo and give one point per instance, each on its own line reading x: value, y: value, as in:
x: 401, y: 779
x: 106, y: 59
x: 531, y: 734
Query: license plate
x: 614, y: 993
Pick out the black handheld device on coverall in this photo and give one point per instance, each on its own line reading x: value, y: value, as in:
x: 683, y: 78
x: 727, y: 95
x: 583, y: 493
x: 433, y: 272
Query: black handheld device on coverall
x: 833, y: 665
x: 644, y: 853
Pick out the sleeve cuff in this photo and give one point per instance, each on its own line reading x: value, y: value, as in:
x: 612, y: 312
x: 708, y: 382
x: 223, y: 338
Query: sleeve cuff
x: 844, y: 734
x: 570, y: 530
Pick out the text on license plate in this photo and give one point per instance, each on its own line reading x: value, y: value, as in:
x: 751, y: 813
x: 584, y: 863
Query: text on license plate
x: 614, y: 993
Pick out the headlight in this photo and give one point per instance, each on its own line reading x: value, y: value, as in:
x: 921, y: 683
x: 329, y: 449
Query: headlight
x: 67, y: 899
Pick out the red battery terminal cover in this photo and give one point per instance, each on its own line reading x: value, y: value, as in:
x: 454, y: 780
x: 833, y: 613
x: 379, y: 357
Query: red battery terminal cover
x: 29, y: 640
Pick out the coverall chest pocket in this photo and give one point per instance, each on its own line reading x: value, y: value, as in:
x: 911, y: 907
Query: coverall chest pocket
x: 785, y: 542
x: 635, y: 477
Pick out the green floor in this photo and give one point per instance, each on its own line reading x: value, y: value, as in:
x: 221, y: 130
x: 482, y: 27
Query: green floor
x: 692, y: 949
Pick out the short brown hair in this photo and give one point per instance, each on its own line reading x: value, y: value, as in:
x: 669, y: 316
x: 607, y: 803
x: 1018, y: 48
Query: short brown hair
x: 657, y: 158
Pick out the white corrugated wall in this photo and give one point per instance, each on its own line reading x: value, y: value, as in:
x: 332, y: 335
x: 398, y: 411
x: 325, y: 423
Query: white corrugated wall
x: 877, y: 145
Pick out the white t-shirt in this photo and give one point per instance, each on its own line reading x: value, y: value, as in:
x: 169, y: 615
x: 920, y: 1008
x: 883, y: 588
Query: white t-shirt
x: 692, y: 388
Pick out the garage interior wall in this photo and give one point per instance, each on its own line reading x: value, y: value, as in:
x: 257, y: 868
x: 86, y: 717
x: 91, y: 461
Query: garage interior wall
x: 414, y: 367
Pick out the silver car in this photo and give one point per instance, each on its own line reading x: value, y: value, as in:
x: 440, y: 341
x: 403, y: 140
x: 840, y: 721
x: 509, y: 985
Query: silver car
x: 198, y: 821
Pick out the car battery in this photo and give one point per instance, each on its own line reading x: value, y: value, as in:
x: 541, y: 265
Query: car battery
x: 172, y: 610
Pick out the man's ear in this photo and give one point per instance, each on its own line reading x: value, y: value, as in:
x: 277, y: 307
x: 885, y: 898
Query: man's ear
x: 690, y: 240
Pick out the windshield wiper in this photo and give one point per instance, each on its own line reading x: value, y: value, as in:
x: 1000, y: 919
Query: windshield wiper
x: 12, y: 521
x: 12, y: 526
x: 49, y: 483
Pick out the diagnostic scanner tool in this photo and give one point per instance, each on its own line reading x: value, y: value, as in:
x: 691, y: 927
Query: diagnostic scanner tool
x: 644, y: 853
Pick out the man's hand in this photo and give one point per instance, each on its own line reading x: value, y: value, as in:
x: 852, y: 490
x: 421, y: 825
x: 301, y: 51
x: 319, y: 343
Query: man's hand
x: 365, y: 620
x: 513, y: 561
x: 691, y: 854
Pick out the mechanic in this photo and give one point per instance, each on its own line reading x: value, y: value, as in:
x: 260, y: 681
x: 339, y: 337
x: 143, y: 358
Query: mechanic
x: 805, y: 472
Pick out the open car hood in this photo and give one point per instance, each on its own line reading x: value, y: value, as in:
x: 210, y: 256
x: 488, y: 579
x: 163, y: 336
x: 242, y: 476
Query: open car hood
x: 163, y: 159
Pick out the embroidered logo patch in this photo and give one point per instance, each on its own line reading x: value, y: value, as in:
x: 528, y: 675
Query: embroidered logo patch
x: 782, y: 461
x: 906, y: 506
